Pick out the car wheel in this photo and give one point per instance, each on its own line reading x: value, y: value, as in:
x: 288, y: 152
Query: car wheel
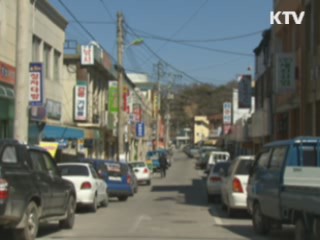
x: 31, y: 225
x: 94, y: 205
x: 300, y: 230
x: 69, y: 221
x: 211, y: 198
x: 105, y: 201
x: 230, y: 212
x: 261, y: 224
x: 123, y: 198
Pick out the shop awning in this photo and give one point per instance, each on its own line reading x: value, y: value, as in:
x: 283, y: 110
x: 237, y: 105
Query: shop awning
x: 61, y: 132
x: 6, y: 92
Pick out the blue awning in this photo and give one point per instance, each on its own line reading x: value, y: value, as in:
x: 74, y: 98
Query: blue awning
x: 57, y: 132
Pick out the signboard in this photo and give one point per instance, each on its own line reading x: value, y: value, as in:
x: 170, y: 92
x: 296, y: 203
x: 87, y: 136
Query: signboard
x: 140, y: 129
x: 36, y: 97
x: 137, y: 112
x: 113, y: 97
x: 245, y: 91
x: 227, y: 112
x: 87, y: 55
x: 285, y: 72
x: 37, y: 113
x: 51, y: 147
x: 7, y: 73
x: 126, y: 94
x: 53, y: 109
x: 80, y: 106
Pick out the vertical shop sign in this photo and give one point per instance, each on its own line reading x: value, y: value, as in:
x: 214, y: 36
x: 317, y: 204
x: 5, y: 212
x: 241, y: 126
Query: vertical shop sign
x: 80, y: 110
x: 113, y: 97
x: 36, y: 97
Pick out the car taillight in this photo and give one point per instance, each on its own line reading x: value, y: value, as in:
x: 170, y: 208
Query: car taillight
x: 129, y: 179
x: 215, y: 179
x: 236, y: 186
x: 86, y: 185
x: 145, y: 170
x: 4, y: 192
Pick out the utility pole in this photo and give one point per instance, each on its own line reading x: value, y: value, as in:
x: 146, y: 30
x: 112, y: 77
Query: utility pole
x: 21, y: 120
x: 120, y: 40
x: 159, y: 75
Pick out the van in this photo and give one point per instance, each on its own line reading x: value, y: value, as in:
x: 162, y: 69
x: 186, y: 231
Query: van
x: 217, y: 156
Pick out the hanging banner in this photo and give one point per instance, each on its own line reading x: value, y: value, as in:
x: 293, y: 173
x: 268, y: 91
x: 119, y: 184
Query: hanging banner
x: 80, y: 108
x: 137, y: 113
x: 113, y: 97
x: 126, y: 94
x: 36, y: 97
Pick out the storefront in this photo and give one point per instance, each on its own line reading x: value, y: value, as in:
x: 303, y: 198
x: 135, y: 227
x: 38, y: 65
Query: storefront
x: 7, y: 81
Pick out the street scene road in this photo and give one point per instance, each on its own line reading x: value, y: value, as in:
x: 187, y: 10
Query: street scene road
x: 171, y: 208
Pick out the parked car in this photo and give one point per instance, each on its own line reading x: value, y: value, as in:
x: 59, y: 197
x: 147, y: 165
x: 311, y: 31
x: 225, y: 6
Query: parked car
x: 142, y: 172
x: 284, y: 187
x: 32, y: 190
x: 234, y: 184
x: 115, y: 174
x: 215, y: 157
x: 214, y: 180
x: 91, y: 190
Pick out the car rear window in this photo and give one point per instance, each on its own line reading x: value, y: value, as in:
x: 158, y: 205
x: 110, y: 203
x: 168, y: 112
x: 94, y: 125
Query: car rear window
x: 73, y: 170
x: 138, y: 164
x: 243, y: 167
x: 222, y: 165
x: 116, y: 169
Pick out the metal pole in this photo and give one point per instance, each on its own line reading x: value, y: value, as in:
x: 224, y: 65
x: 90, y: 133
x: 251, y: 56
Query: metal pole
x: 22, y: 64
x: 120, y: 84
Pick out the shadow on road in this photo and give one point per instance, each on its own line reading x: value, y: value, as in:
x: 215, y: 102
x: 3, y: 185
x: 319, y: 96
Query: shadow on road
x: 194, y: 194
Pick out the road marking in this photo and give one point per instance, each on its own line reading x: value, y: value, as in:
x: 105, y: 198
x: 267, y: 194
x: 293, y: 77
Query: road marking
x: 217, y: 220
x: 138, y: 222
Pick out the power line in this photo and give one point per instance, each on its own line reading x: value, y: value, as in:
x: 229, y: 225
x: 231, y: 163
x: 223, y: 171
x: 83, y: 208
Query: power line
x: 96, y: 22
x: 183, y: 26
x: 107, y: 9
x: 161, y: 59
x: 220, y: 39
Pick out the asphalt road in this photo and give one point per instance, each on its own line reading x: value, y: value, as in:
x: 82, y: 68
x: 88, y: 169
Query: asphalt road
x: 173, y: 208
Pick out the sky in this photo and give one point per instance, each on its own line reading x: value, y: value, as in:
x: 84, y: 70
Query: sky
x: 196, y: 40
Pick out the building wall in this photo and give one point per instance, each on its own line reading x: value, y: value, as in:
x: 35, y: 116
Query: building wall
x: 201, y: 128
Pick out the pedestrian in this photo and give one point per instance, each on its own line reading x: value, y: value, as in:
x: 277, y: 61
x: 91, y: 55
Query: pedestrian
x: 163, y: 164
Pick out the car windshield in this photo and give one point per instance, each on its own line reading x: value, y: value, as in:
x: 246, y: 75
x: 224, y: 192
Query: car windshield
x: 243, y: 167
x: 73, y: 170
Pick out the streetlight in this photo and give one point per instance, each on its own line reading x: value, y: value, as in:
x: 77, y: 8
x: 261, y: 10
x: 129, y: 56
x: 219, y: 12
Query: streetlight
x: 121, y: 49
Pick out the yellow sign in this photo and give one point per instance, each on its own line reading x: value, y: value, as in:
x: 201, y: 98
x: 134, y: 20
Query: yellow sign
x: 51, y: 147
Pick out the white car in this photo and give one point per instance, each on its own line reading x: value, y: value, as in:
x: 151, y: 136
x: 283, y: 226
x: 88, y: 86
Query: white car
x: 91, y: 190
x: 142, y: 172
x: 214, y: 180
x: 217, y: 156
x: 234, y: 184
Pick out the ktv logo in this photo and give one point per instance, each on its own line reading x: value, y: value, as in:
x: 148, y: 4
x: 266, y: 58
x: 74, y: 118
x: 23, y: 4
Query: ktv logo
x: 288, y: 17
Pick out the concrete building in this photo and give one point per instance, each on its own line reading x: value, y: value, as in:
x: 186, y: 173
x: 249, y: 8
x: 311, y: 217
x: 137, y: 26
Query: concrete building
x: 87, y: 74
x: 141, y: 104
x: 201, y: 129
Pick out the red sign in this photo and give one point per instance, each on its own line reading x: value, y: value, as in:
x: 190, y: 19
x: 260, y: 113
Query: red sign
x: 126, y: 94
x: 35, y: 81
x: 7, y: 73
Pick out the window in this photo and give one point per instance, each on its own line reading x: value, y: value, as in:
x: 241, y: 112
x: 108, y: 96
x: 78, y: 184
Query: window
x: 56, y: 66
x: 50, y: 166
x: 278, y: 156
x: 36, y: 42
x: 37, y: 161
x: 9, y: 155
x: 94, y: 173
x: 46, y: 59
x: 264, y: 159
x: 73, y: 170
x: 243, y: 167
x: 307, y: 155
